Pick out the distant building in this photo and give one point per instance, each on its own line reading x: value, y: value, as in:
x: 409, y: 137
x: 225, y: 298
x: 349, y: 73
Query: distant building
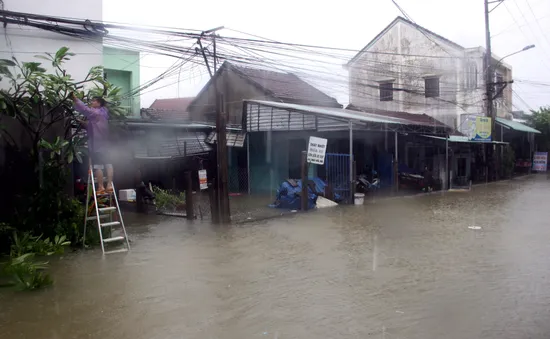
x: 519, y: 116
x: 409, y: 68
x: 174, y: 109
x: 122, y: 69
x: 238, y: 83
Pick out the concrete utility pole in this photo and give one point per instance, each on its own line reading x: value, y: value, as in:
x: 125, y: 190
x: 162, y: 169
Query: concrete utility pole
x: 489, y: 86
x: 223, y: 189
x: 221, y: 211
x: 488, y: 66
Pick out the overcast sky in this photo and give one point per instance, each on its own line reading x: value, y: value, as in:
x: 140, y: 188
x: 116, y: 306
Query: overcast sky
x: 349, y: 24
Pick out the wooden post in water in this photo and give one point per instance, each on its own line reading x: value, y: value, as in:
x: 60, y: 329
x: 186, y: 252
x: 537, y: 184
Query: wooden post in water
x: 188, y: 196
x: 304, y: 195
x: 352, y: 187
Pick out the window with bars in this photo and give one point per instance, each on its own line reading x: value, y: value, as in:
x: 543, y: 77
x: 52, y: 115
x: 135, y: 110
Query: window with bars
x: 431, y: 86
x: 386, y: 91
x: 470, y: 75
x: 499, y: 85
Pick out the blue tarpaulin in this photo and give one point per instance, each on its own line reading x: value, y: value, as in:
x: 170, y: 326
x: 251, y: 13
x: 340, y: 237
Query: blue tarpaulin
x: 288, y: 196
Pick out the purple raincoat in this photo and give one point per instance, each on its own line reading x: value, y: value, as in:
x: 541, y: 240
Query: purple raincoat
x: 97, y: 127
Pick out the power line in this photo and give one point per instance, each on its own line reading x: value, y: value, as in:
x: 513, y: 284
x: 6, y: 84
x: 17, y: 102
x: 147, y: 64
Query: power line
x: 522, y: 32
x: 538, y: 23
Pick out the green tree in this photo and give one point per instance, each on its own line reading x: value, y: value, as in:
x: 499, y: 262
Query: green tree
x: 40, y: 130
x: 540, y: 120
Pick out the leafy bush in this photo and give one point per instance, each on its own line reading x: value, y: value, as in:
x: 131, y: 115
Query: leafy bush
x: 27, y: 243
x: 5, y: 237
x: 165, y: 200
x: 24, y: 273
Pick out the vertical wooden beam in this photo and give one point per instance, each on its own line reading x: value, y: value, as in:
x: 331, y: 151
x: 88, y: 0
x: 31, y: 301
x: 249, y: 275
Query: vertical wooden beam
x: 189, y: 208
x: 304, y: 195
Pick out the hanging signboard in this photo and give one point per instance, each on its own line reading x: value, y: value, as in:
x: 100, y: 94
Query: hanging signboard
x: 482, y: 129
x: 316, y: 150
x: 540, y: 161
x: 202, y: 180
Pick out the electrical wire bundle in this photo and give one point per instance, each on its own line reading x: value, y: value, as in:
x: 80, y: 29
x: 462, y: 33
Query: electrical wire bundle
x: 319, y: 65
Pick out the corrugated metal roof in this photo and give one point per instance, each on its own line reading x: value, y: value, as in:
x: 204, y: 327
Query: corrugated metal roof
x: 232, y: 139
x: 169, y: 145
x: 269, y: 118
x: 335, y: 113
x: 419, y: 119
x: 154, y: 124
x: 517, y: 126
x: 461, y: 138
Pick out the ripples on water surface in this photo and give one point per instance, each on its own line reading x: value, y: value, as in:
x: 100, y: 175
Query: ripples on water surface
x: 396, y: 269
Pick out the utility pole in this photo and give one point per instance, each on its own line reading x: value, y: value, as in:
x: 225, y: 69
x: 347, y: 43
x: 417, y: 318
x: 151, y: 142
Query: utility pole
x: 489, y: 89
x: 223, y: 189
x: 221, y: 209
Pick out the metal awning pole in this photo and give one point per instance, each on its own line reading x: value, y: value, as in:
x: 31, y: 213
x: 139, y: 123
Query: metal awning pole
x: 385, y: 137
x: 351, y: 179
x: 447, y: 162
x: 396, y: 170
x: 248, y: 161
x: 501, y: 145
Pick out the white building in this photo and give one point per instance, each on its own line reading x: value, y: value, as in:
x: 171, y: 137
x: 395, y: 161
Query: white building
x: 411, y: 69
x: 23, y: 42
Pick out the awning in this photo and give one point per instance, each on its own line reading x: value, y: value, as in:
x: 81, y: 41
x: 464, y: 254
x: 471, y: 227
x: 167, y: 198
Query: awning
x: 516, y: 126
x: 163, y: 145
x: 232, y: 139
x: 278, y: 116
x: 459, y: 138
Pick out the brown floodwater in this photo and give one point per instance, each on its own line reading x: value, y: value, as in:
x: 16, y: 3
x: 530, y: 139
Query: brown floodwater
x: 395, y: 269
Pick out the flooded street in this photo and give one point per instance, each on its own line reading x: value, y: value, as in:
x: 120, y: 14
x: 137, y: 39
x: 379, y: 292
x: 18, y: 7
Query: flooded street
x: 396, y: 269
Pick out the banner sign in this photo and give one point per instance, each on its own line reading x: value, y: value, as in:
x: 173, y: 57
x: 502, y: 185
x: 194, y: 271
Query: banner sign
x: 202, y: 180
x: 482, y: 129
x: 316, y: 150
x: 540, y: 161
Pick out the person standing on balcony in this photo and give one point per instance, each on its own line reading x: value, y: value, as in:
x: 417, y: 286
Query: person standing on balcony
x: 97, y: 127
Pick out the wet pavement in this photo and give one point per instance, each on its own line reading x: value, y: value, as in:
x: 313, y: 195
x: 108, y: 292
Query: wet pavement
x: 402, y: 268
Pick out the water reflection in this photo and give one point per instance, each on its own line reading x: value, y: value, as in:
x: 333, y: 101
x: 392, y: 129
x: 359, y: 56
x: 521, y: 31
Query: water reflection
x: 403, y: 268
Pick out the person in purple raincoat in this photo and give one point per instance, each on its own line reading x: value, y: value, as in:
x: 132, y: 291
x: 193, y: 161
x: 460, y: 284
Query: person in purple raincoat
x: 97, y: 127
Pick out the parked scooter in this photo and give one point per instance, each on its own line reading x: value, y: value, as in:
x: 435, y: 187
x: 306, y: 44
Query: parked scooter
x: 364, y: 185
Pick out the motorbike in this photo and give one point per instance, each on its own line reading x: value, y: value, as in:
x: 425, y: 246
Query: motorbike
x: 364, y: 184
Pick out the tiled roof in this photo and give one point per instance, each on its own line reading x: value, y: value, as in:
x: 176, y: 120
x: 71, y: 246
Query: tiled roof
x: 169, y: 109
x: 174, y: 104
x: 163, y: 114
x: 419, y: 119
x: 286, y: 87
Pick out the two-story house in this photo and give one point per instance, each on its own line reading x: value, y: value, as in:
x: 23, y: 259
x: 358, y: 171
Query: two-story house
x: 408, y: 68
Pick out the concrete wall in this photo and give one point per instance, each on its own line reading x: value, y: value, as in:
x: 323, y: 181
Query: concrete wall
x: 25, y: 42
x: 122, y: 69
x: 407, y: 69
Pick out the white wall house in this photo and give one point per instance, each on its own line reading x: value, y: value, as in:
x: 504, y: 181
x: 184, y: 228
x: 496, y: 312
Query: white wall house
x: 23, y: 42
x: 411, y: 69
